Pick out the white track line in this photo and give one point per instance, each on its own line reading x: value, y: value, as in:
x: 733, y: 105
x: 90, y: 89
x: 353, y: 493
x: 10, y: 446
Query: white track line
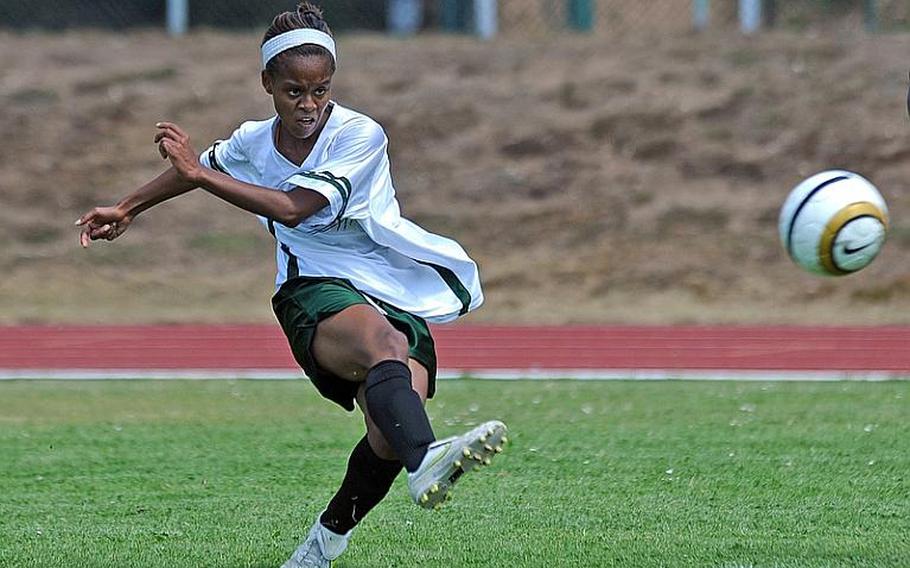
x: 494, y: 374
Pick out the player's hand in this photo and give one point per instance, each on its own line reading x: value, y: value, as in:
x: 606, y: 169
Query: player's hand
x: 174, y: 145
x: 106, y: 223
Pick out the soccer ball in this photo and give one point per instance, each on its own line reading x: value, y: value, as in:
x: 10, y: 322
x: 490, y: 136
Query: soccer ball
x: 833, y: 223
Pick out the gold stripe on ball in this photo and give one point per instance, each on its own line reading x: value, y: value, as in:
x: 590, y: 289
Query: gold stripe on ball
x: 836, y: 223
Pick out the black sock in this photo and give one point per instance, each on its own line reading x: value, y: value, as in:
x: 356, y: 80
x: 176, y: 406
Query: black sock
x: 366, y: 482
x: 397, y: 411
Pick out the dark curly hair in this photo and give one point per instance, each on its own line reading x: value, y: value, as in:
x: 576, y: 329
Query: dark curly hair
x: 306, y: 16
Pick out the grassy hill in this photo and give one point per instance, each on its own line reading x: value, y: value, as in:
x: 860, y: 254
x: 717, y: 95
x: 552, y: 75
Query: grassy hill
x: 594, y: 179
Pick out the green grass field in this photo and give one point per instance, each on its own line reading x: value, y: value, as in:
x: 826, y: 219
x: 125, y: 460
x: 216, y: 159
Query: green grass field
x: 628, y: 474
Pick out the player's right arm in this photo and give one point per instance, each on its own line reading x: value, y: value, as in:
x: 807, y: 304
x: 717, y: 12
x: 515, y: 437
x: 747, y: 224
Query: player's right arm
x: 110, y: 222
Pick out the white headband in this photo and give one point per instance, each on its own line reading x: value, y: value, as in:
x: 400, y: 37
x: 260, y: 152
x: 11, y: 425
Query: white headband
x: 296, y: 38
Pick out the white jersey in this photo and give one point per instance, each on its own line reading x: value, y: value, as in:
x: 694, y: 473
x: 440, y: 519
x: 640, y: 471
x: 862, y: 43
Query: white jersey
x: 360, y: 236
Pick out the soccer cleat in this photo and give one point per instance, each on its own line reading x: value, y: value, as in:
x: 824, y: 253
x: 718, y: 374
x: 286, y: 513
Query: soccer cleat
x: 447, y: 460
x: 319, y: 549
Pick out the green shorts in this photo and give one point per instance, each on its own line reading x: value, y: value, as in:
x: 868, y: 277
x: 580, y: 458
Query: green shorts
x: 301, y: 303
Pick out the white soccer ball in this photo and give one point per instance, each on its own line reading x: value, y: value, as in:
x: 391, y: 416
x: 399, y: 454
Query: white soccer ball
x: 833, y: 223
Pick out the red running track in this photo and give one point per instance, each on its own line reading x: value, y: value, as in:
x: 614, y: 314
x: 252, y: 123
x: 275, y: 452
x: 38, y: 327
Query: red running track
x: 478, y: 349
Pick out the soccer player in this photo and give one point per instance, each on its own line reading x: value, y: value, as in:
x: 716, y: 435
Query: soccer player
x: 356, y: 282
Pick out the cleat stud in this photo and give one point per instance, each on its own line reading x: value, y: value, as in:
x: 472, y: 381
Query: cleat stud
x: 424, y: 498
x: 457, y: 463
x: 498, y: 449
x: 483, y: 439
x: 478, y: 457
x: 488, y: 447
x: 466, y: 452
x: 486, y: 461
x: 434, y: 488
x: 505, y: 440
x: 437, y: 506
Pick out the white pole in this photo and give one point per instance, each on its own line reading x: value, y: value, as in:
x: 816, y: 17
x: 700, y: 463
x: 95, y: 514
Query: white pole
x: 485, y: 18
x: 750, y: 15
x: 404, y: 16
x: 178, y: 16
x: 701, y: 14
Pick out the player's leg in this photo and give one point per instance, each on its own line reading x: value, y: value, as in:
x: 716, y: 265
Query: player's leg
x: 372, y: 467
x: 338, y: 337
x: 393, y: 406
x: 359, y: 344
x: 371, y: 471
x: 360, y: 352
x: 378, y: 443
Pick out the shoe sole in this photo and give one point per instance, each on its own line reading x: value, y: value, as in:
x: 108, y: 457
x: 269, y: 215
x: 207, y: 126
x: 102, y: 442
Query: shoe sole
x: 487, y: 441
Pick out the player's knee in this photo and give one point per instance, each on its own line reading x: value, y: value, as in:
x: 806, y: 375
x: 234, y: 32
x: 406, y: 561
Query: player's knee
x: 374, y: 345
x: 389, y: 343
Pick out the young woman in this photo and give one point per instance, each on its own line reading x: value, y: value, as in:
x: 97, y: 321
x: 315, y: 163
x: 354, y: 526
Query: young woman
x: 356, y: 282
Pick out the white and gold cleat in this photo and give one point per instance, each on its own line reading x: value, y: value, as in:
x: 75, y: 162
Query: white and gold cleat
x: 447, y: 460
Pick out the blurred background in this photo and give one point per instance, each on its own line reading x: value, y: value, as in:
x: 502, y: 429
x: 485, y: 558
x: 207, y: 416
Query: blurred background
x: 605, y: 161
x: 519, y: 17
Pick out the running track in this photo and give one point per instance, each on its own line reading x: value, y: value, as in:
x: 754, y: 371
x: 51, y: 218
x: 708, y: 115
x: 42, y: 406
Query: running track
x: 203, y: 351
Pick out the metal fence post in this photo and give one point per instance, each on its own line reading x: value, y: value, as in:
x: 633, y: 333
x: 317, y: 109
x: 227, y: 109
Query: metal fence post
x: 404, y: 16
x: 178, y: 16
x: 701, y: 14
x: 485, y: 18
x: 581, y: 15
x: 750, y: 15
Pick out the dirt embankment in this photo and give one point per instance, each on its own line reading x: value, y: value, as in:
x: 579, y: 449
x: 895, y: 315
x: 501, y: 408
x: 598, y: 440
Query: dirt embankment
x: 595, y: 180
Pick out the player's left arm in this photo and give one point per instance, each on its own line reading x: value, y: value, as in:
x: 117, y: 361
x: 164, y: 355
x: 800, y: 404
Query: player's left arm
x: 286, y: 207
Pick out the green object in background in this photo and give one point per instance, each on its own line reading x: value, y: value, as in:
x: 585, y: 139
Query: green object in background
x: 454, y: 15
x: 581, y: 15
x: 870, y: 15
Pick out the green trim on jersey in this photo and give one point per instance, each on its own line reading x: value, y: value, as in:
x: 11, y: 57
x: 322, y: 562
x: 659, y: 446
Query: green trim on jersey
x: 293, y: 270
x: 213, y: 159
x: 343, y: 185
x: 452, y: 281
